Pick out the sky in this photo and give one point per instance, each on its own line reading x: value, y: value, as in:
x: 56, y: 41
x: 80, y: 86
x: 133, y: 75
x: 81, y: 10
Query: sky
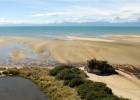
x: 72, y: 11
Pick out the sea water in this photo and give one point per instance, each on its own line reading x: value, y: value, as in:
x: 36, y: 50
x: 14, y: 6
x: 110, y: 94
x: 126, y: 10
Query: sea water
x: 58, y: 31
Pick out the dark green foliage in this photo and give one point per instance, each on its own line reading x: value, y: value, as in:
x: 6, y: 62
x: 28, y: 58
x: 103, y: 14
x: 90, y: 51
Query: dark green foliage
x: 66, y: 82
x: 56, y: 70
x: 75, y: 70
x: 93, y: 90
x: 100, y: 67
x: 112, y: 97
x: 95, y: 95
x: 65, y: 75
x: 76, y: 82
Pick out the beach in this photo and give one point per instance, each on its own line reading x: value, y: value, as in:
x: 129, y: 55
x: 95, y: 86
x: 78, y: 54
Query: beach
x: 73, y: 49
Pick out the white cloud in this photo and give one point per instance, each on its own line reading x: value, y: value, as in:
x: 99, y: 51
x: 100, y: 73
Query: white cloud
x: 90, y: 14
x: 78, y: 11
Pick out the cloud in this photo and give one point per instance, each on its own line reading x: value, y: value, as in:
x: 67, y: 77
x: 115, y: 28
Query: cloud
x: 91, y: 14
x: 59, y: 11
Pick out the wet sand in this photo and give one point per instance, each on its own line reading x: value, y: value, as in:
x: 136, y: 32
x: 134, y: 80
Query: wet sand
x: 133, y: 38
x: 16, y: 88
x: 73, y: 51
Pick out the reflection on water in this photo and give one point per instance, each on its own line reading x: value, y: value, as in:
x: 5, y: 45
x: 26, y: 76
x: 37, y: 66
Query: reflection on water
x: 31, y: 58
x: 16, y: 88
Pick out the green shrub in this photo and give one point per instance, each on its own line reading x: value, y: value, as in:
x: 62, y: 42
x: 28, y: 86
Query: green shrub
x: 88, y: 87
x: 75, y: 70
x: 76, y: 82
x: 95, y: 95
x: 66, y: 82
x: 99, y: 86
x: 56, y: 70
x: 83, y: 90
x: 100, y: 67
x: 65, y: 74
x: 112, y: 97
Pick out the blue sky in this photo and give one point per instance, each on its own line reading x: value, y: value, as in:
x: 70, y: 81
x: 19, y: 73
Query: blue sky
x: 59, y: 11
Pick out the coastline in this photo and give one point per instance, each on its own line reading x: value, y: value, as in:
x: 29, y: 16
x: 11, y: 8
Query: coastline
x: 72, y: 50
x: 129, y: 38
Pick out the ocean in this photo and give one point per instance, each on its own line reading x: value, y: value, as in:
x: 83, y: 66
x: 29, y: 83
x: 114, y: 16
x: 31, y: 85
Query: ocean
x: 58, y: 31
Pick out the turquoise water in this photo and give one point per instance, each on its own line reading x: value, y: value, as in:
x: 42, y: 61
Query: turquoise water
x: 56, y: 31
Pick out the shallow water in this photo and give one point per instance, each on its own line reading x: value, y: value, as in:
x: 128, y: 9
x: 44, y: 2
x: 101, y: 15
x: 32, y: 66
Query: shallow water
x: 31, y: 58
x: 16, y: 88
x: 59, y: 31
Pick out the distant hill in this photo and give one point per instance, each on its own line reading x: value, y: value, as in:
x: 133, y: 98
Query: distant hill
x: 95, y: 24
x: 79, y: 24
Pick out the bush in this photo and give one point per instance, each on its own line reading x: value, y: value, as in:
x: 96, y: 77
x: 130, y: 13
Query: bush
x: 100, y: 67
x: 111, y: 98
x: 95, y: 95
x: 88, y: 87
x: 65, y: 74
x: 66, y: 82
x: 75, y: 70
x: 76, y: 82
x: 83, y: 90
x: 99, y: 86
x: 56, y: 70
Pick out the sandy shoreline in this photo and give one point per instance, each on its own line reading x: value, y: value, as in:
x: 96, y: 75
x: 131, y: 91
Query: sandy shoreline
x: 88, y: 39
x: 134, y: 38
x: 78, y: 50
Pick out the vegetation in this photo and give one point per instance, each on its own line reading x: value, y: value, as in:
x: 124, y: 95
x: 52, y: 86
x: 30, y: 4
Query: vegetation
x: 100, y: 67
x: 68, y: 82
x: 86, y: 89
x: 54, y: 89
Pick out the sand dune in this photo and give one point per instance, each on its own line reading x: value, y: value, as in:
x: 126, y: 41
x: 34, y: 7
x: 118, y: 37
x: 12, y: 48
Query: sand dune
x: 122, y: 85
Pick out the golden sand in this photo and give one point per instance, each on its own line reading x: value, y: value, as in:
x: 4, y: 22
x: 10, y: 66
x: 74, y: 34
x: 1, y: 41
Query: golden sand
x: 79, y: 51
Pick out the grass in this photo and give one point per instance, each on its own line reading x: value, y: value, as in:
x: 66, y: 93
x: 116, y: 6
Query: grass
x: 53, y: 88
